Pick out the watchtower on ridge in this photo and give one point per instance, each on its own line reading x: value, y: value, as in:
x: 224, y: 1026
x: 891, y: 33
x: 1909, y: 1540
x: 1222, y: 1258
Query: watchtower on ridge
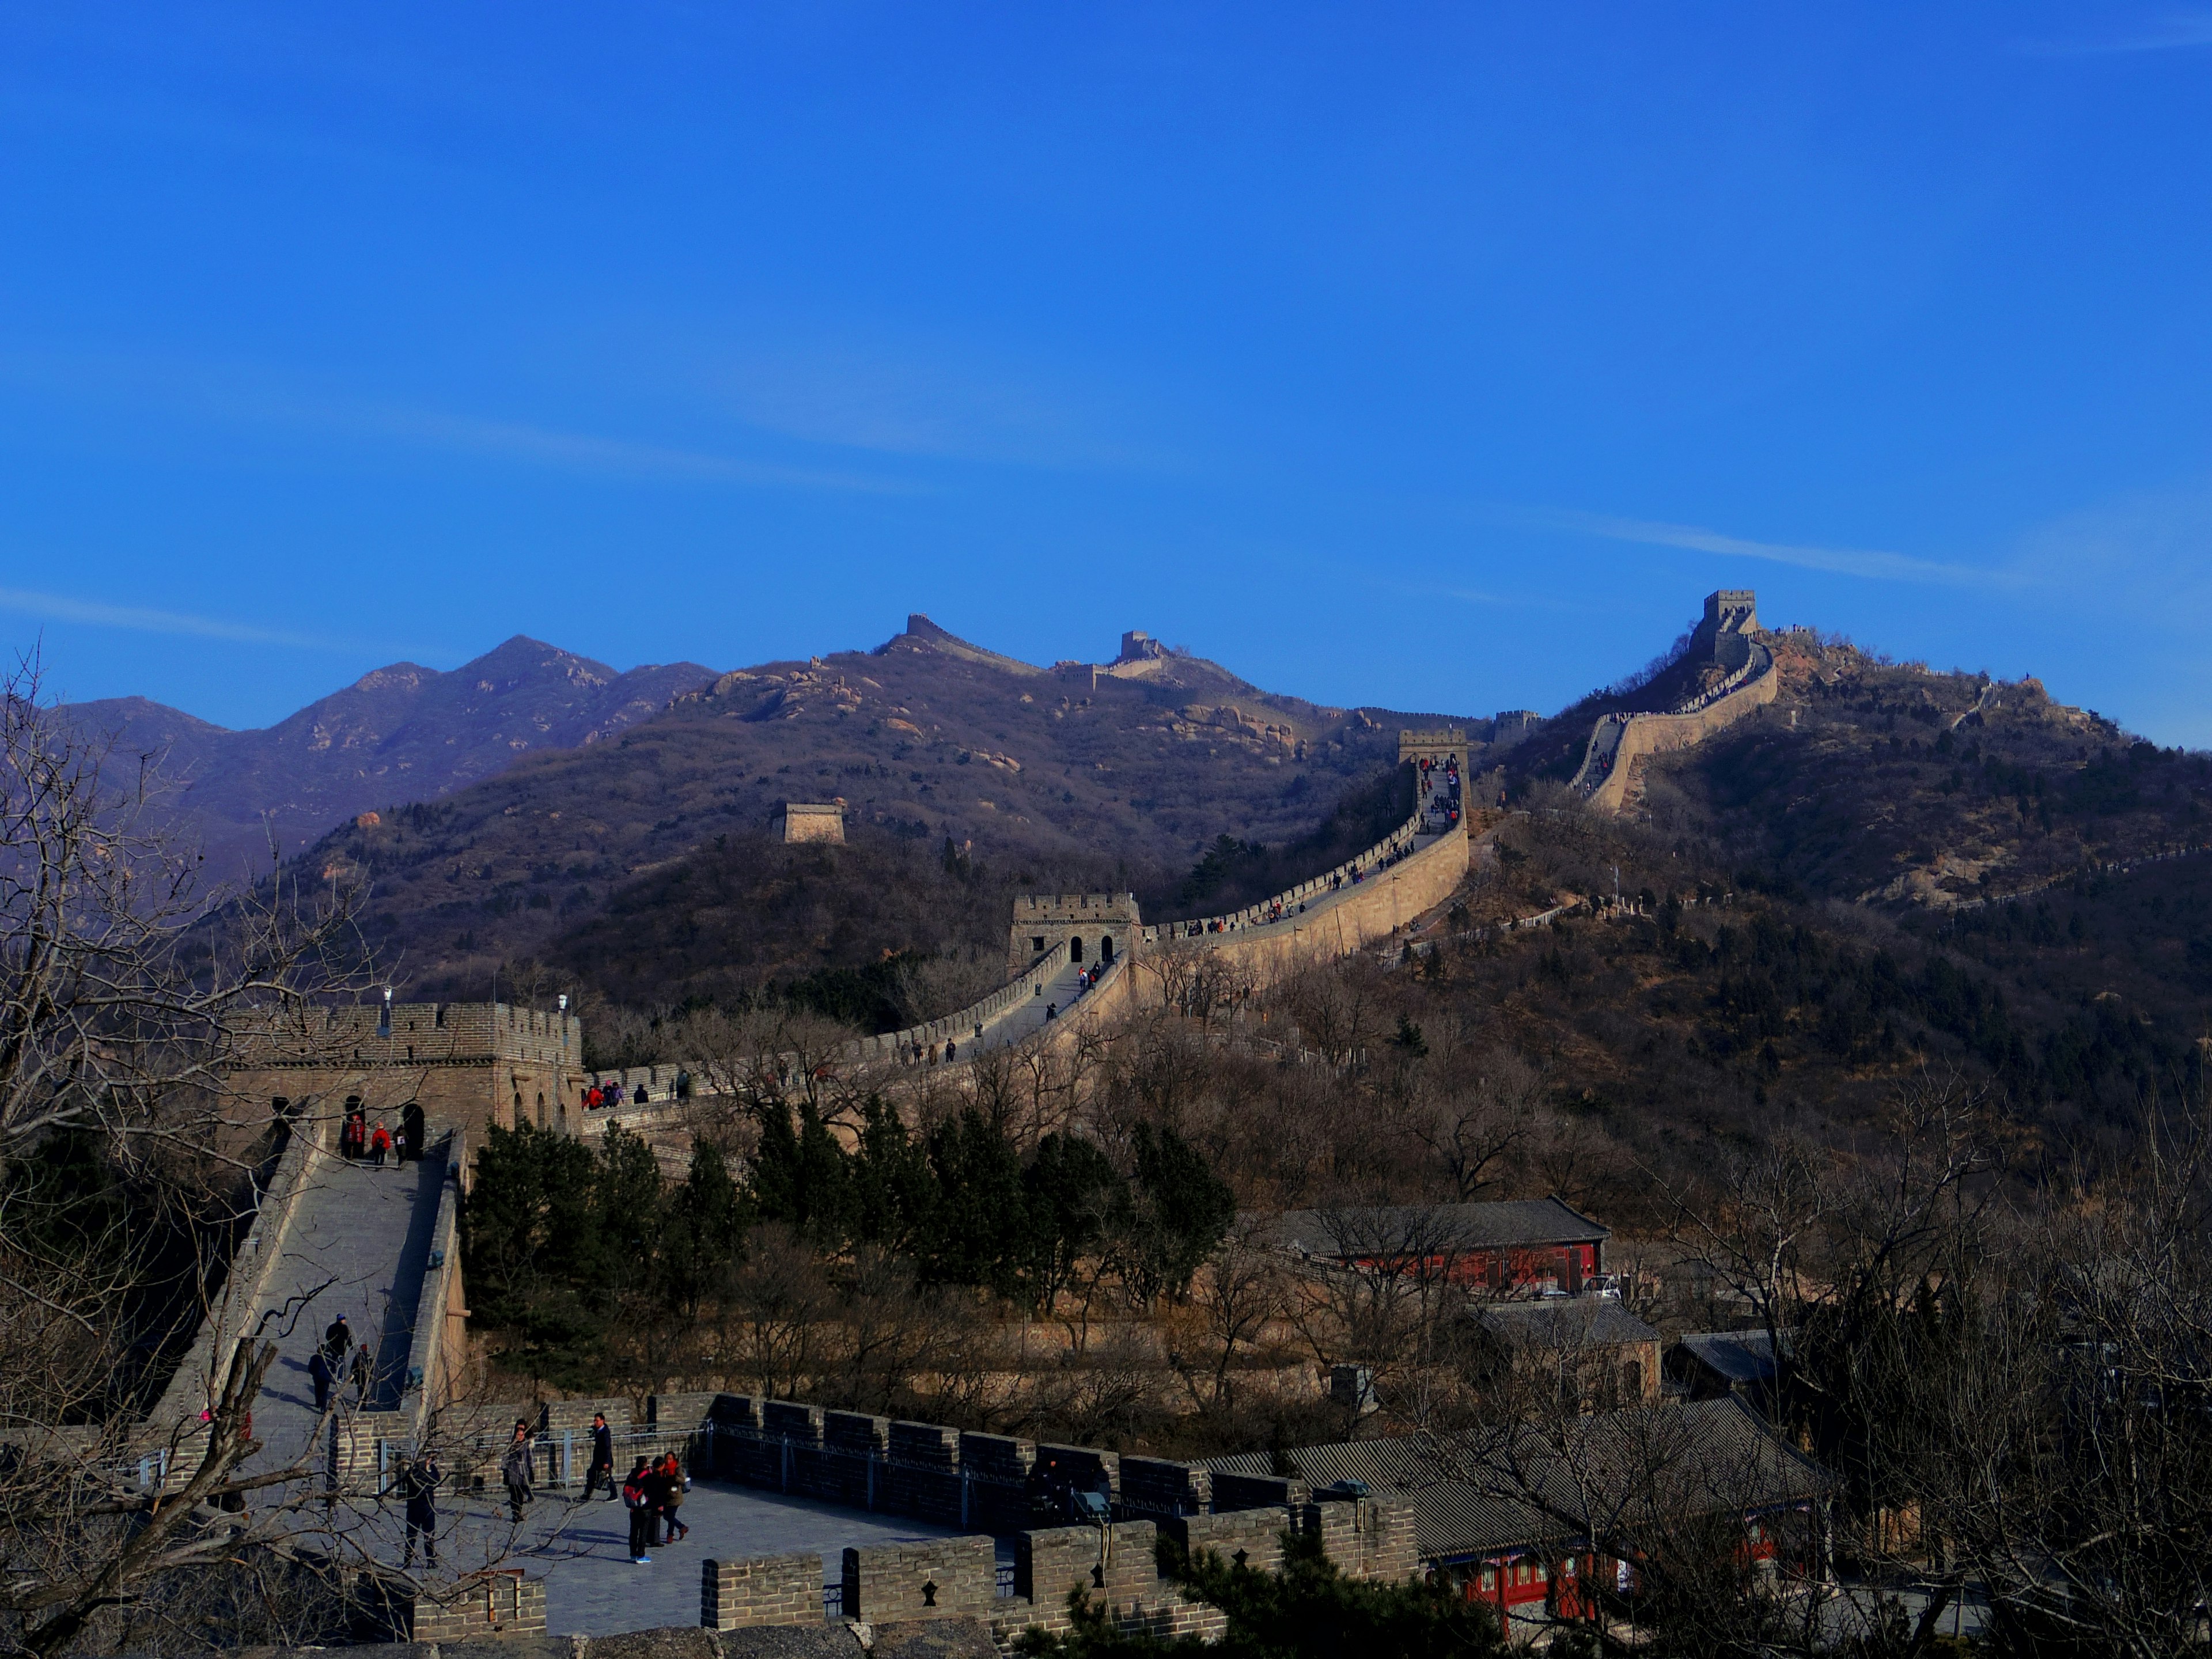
x: 1731, y: 619
x: 1446, y: 743
x: 1096, y: 927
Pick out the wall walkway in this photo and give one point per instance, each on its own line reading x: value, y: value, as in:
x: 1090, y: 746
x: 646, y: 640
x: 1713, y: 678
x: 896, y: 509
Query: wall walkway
x: 1620, y: 740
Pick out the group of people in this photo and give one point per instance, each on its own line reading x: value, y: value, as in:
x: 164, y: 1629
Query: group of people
x: 1440, y: 789
x: 337, y: 1360
x: 598, y: 1095
x: 654, y: 1491
x: 360, y: 1142
x: 654, y: 1494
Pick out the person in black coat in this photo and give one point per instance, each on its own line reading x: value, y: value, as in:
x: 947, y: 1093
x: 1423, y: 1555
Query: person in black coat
x: 418, y: 1484
x: 318, y: 1373
x: 602, y: 1459
x: 641, y: 1514
x: 337, y: 1340
x: 656, y: 1483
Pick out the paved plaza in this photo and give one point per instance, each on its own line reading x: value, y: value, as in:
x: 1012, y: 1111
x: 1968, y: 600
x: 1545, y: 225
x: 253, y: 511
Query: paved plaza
x: 581, y: 1549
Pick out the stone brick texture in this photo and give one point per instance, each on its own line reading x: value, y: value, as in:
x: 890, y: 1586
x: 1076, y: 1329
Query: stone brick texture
x: 504, y: 1604
x: 938, y: 1578
x: 761, y: 1589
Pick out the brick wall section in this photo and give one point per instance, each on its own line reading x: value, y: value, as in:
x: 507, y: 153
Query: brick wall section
x: 490, y: 1604
x: 942, y: 1577
x: 1153, y: 1484
x: 574, y: 1416
x: 762, y: 1590
x: 684, y: 1420
x: 1255, y: 1533
x: 801, y: 1424
x: 1087, y: 1468
x: 997, y: 1500
x: 1366, y: 1538
x: 743, y: 1410
x: 1114, y: 1565
x: 922, y: 1477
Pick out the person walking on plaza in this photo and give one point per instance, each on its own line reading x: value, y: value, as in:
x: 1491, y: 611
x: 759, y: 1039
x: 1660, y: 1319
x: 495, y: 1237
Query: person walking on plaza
x: 672, y: 1473
x: 418, y: 1484
x: 337, y: 1341
x: 641, y: 1514
x: 364, y: 1374
x: 318, y: 1373
x: 656, y: 1485
x: 603, y: 1458
x: 379, y: 1143
x: 514, y: 1472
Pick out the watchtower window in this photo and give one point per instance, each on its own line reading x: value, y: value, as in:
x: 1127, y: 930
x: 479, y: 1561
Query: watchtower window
x: 1106, y: 948
x: 1036, y: 945
x: 1074, y: 949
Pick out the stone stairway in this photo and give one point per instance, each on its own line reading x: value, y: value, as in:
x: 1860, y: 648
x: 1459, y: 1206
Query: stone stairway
x: 358, y: 1243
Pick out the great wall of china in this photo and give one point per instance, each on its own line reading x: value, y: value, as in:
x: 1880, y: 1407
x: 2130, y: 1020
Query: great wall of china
x: 1731, y: 632
x: 329, y: 1233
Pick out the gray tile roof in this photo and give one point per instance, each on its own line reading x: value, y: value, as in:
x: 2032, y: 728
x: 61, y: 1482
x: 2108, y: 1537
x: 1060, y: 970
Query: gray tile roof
x: 1485, y: 1491
x: 1739, y: 1356
x: 1564, y: 1322
x: 1366, y: 1231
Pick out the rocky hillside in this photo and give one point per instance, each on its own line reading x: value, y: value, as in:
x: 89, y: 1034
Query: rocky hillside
x: 402, y: 733
x: 1886, y: 784
x: 646, y: 865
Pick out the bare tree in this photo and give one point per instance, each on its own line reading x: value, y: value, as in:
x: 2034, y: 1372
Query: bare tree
x: 1473, y: 1125
x: 127, y: 994
x: 1237, y: 1294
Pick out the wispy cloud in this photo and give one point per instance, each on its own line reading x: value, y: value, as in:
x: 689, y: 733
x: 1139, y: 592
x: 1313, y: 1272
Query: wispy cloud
x: 1476, y: 596
x: 586, y: 452
x: 2180, y: 31
x: 197, y: 390
x: 60, y: 607
x: 1870, y: 563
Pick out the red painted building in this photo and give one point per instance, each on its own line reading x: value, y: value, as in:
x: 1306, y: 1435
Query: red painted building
x: 1492, y: 1511
x: 1518, y: 1247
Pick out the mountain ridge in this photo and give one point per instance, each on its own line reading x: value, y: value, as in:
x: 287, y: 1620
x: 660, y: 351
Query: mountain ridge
x: 240, y: 793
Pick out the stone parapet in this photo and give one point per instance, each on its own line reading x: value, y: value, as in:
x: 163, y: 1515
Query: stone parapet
x: 762, y: 1590
x: 940, y: 1578
x: 500, y: 1602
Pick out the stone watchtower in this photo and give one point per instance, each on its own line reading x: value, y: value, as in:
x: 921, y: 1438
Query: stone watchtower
x: 1725, y: 634
x: 1098, y: 927
x: 428, y: 1064
x: 1447, y: 742
x: 801, y: 822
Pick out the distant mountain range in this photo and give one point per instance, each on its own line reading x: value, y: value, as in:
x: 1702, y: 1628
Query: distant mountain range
x: 649, y: 864
x: 401, y: 734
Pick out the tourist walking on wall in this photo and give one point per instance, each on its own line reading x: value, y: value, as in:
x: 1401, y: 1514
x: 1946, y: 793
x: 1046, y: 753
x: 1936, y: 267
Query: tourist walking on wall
x: 641, y: 1514
x: 337, y: 1340
x: 379, y: 1143
x: 603, y: 1458
x: 318, y: 1373
x: 364, y: 1374
x: 418, y: 1484
x: 672, y: 1473
x: 514, y: 1472
x: 655, y: 1482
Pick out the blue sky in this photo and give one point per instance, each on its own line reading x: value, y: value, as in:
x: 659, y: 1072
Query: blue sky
x: 1440, y: 356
